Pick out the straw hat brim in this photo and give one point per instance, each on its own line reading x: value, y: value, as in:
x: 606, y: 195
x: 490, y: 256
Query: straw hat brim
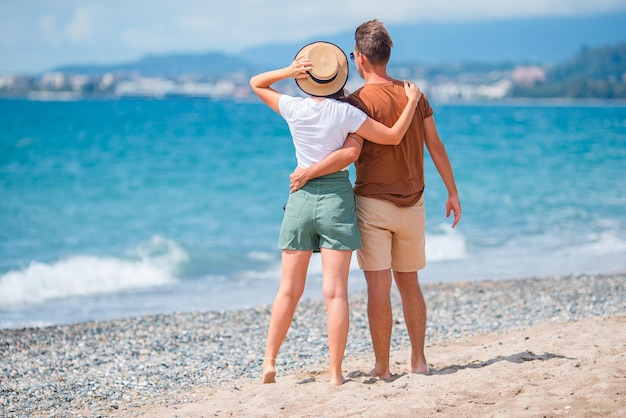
x: 324, y: 87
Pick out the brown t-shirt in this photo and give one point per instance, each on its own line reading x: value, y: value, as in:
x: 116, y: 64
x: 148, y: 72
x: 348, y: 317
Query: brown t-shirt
x: 392, y: 172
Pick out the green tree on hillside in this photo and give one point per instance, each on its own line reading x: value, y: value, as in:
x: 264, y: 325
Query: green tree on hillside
x: 592, y: 73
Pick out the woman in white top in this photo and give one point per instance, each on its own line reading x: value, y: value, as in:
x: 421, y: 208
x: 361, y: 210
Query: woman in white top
x: 322, y: 214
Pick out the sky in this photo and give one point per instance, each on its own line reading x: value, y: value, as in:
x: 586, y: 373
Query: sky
x: 37, y: 35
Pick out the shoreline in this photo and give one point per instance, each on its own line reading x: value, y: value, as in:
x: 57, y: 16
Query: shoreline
x: 148, y: 364
x: 64, y: 97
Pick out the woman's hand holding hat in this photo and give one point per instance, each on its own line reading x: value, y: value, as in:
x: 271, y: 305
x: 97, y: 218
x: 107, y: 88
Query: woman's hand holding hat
x: 328, y: 70
x: 300, y: 67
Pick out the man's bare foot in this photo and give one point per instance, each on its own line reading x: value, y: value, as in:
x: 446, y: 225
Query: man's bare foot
x: 269, y: 370
x: 425, y: 372
x: 419, y: 367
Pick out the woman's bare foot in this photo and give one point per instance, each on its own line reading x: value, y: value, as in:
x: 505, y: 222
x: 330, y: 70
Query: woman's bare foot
x: 335, y: 375
x: 376, y: 373
x: 337, y: 381
x: 269, y: 370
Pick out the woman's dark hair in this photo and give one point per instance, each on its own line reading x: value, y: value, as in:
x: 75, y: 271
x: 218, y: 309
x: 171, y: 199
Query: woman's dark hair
x: 355, y: 101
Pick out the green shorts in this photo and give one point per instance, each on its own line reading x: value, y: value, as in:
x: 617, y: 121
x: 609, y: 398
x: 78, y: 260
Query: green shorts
x: 321, y: 215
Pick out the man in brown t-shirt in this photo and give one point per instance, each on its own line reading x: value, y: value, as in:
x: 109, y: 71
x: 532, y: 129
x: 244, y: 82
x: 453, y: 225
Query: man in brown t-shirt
x: 390, y: 205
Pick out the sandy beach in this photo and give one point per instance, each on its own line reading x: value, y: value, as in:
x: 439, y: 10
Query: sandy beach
x: 518, y: 348
x: 558, y: 369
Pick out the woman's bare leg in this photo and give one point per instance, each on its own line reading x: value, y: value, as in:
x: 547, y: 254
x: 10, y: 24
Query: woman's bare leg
x: 292, y: 280
x: 335, y: 269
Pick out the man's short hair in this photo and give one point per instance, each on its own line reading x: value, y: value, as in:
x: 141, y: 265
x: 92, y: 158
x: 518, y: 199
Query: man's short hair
x: 373, y: 41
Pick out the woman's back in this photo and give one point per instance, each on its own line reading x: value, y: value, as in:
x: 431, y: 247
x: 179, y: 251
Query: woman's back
x: 318, y: 126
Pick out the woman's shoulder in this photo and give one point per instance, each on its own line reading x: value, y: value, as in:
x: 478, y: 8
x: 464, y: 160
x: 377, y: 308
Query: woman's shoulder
x: 287, y: 100
x: 287, y: 97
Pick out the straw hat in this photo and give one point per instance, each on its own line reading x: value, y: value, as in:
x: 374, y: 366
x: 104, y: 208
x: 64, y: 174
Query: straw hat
x: 330, y: 69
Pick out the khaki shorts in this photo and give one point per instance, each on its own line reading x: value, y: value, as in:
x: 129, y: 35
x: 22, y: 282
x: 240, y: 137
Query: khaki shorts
x: 392, y: 237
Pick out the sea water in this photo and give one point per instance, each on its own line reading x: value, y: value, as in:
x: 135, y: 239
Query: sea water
x: 139, y: 206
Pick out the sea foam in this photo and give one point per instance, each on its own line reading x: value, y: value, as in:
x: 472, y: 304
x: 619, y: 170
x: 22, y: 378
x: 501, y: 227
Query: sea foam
x: 448, y: 244
x: 153, y: 263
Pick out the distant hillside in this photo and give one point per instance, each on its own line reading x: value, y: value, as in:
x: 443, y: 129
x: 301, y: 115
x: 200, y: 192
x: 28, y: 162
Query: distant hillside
x: 543, y: 40
x: 593, y: 73
x: 214, y: 65
x: 539, y: 40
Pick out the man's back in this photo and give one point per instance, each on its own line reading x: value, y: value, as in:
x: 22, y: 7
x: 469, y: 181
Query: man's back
x: 393, y: 173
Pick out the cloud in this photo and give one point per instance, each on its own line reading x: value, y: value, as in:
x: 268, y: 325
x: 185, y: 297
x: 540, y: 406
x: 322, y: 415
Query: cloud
x: 114, y: 30
x: 238, y: 24
x: 49, y: 30
x: 141, y: 39
x: 80, y: 28
x: 197, y: 23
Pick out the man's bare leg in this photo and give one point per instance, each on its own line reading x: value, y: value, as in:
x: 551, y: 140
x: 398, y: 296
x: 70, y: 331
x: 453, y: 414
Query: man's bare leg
x: 414, y: 308
x: 380, y: 319
x: 292, y: 280
x: 335, y: 268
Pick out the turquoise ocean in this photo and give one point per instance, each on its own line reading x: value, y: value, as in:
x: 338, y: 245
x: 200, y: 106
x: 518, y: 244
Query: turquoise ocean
x: 137, y: 206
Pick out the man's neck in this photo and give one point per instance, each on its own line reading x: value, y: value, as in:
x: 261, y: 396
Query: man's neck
x: 377, y: 75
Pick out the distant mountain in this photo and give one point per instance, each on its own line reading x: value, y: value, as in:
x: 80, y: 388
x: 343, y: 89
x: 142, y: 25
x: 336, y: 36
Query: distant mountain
x: 540, y: 40
x: 173, y: 65
x: 524, y: 40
